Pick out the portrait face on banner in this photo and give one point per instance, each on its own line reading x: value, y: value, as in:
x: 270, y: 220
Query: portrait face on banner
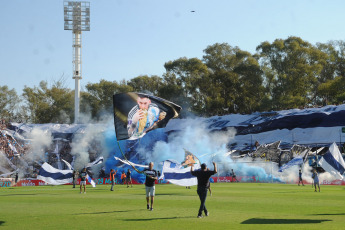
x: 135, y: 114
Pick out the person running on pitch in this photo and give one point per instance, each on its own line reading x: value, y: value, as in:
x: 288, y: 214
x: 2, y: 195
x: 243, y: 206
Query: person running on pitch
x: 203, y: 177
x: 151, y: 177
x: 233, y: 176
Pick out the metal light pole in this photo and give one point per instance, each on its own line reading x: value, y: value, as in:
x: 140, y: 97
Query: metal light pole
x: 77, y: 19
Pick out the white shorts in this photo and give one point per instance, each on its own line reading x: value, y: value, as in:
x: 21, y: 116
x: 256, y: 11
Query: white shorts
x: 150, y: 191
x: 82, y: 182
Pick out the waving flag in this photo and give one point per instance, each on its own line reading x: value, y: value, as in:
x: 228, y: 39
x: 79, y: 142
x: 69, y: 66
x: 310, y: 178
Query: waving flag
x: 173, y: 173
x: 295, y: 161
x: 89, y: 179
x: 54, y: 176
x: 333, y: 162
x: 190, y: 159
x: 99, y: 160
x: 69, y: 166
x: 131, y: 163
x: 135, y: 114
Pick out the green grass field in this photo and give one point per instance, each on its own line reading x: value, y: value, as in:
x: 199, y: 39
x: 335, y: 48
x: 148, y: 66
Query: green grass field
x: 231, y: 206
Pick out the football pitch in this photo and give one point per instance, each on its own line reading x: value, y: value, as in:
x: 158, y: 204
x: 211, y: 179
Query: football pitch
x: 231, y: 206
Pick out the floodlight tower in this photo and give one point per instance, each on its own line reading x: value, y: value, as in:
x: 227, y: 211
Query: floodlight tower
x: 77, y: 19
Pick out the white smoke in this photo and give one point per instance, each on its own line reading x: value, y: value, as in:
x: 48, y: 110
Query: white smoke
x: 40, y: 141
x: 82, y: 145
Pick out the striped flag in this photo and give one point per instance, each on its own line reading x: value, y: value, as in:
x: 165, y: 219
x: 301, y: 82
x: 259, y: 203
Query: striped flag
x: 89, y: 179
x: 333, y: 162
x: 177, y: 175
x: 54, y: 176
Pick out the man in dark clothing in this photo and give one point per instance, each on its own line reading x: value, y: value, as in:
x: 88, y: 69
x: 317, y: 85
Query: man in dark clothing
x: 300, y: 177
x: 129, y: 178
x: 233, y: 175
x: 203, y: 177
x: 74, y: 177
x: 83, y: 176
x: 16, y: 178
x: 151, y: 177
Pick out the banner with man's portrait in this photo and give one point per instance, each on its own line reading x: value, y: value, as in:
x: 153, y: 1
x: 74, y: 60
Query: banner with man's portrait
x: 136, y: 114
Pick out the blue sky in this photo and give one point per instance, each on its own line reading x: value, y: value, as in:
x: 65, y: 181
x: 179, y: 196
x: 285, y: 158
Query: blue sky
x: 129, y: 38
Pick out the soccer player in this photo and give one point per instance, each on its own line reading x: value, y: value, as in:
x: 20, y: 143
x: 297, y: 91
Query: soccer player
x: 112, y: 178
x: 315, y: 176
x: 300, y: 177
x: 151, y: 177
x: 83, y: 176
x: 203, y: 177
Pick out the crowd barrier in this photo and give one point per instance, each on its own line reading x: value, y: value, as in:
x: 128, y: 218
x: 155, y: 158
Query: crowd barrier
x: 6, y: 182
x: 9, y: 182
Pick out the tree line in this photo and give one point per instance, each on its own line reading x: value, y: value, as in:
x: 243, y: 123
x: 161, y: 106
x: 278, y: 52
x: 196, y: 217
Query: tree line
x: 287, y: 73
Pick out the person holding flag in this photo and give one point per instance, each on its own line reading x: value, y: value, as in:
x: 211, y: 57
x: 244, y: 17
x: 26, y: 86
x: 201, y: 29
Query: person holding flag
x: 203, y: 177
x: 151, y: 177
x: 83, y: 177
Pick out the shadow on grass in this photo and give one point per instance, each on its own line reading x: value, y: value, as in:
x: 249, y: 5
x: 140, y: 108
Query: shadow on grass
x: 282, y: 221
x: 284, y: 192
x: 26, y: 194
x: 162, y: 218
x: 166, y: 194
x: 95, y: 213
x: 330, y: 214
x: 1, y: 222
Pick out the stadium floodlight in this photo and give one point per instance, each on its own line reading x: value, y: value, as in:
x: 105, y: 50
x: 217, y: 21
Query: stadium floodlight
x: 77, y: 19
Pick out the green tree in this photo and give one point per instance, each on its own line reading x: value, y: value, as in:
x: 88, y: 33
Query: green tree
x: 332, y: 86
x: 99, y: 97
x: 291, y: 69
x: 333, y: 91
x: 235, y: 80
x: 9, y: 104
x: 49, y: 104
x: 187, y: 78
x: 146, y: 84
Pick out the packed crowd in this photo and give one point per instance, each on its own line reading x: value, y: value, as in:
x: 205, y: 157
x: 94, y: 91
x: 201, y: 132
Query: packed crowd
x: 18, y: 151
x: 8, y: 144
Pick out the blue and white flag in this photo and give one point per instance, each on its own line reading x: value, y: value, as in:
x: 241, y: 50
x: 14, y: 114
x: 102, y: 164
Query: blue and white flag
x: 173, y: 173
x: 295, y: 161
x: 333, y: 162
x: 69, y: 166
x: 99, y: 160
x: 89, y: 179
x: 127, y: 162
x: 54, y: 176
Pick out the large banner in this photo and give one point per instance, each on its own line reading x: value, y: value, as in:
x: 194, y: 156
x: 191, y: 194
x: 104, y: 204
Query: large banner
x: 135, y: 114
